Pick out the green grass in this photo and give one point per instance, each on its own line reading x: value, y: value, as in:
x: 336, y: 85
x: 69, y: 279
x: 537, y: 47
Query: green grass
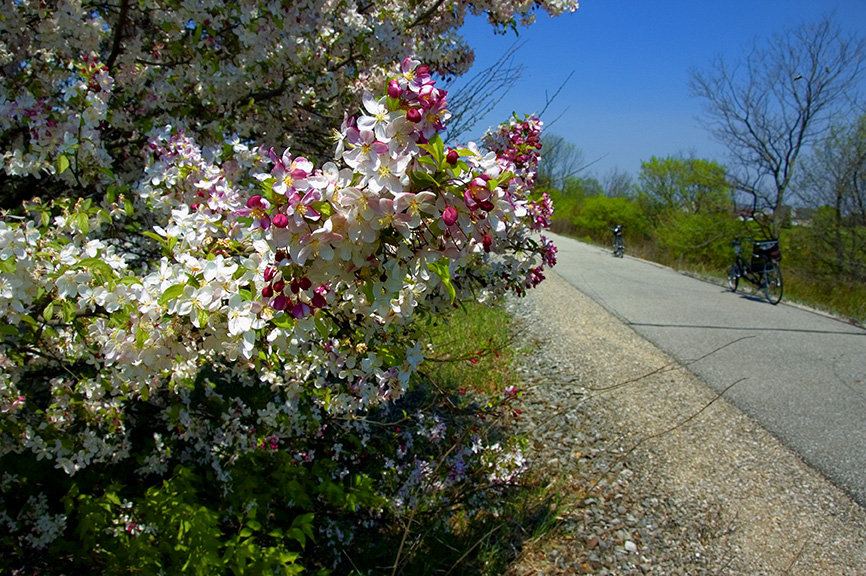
x: 474, y: 349
x: 475, y: 352
x: 844, y: 299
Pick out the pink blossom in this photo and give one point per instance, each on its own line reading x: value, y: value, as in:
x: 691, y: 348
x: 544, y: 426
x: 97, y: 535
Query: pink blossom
x: 291, y: 174
x: 449, y: 216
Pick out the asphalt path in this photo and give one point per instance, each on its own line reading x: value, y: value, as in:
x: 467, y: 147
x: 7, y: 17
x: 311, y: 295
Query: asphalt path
x: 798, y: 373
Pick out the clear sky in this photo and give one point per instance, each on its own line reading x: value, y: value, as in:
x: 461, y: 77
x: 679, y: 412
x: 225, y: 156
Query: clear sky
x: 628, y: 99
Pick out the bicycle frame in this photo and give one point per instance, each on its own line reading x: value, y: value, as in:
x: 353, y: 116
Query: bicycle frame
x: 762, y: 270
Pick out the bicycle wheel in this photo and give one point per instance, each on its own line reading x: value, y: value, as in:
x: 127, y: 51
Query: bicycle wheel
x: 773, y: 283
x: 734, y: 277
x: 619, y: 248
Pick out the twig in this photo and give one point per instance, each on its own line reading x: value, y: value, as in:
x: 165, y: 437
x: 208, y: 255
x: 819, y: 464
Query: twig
x: 605, y: 389
x: 795, y: 559
x: 640, y: 442
x: 665, y: 367
x: 473, y: 547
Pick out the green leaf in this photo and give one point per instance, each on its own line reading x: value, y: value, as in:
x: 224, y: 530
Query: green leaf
x: 392, y: 355
x: 171, y: 293
x: 321, y: 327
x: 323, y: 207
x: 69, y: 311
x: 81, y: 221
x: 368, y: 291
x: 424, y: 180
x: 8, y: 266
x: 140, y: 338
x: 440, y: 268
x: 393, y: 103
x: 267, y: 186
x: 154, y: 236
x: 97, y: 265
x: 284, y: 321
x: 436, y: 148
x: 62, y: 164
x: 8, y: 330
x: 254, y: 524
x: 48, y: 312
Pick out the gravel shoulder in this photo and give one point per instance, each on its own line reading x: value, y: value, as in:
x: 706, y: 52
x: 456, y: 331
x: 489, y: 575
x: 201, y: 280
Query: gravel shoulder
x: 657, y: 475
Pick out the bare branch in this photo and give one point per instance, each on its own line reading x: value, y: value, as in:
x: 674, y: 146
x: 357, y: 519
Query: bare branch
x: 777, y: 101
x: 482, y: 92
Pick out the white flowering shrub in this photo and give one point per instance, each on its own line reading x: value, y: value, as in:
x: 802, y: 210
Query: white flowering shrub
x: 210, y: 345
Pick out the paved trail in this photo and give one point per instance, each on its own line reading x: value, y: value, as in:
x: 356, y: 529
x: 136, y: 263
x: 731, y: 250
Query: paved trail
x: 801, y: 375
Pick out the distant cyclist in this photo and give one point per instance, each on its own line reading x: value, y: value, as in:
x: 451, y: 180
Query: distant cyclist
x: 618, y: 244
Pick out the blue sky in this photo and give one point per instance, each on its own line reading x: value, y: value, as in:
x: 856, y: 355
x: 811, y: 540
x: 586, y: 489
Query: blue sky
x: 628, y: 99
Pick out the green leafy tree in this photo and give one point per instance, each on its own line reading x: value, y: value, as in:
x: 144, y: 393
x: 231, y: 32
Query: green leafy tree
x: 689, y: 204
x: 690, y: 185
x: 600, y: 213
x: 569, y: 200
x: 834, y: 182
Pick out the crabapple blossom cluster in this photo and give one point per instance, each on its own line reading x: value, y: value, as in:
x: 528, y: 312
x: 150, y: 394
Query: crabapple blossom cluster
x: 267, y: 305
x: 87, y: 82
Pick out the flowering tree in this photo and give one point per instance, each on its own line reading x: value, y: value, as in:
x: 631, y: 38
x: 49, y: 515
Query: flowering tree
x: 205, y: 335
x: 84, y: 83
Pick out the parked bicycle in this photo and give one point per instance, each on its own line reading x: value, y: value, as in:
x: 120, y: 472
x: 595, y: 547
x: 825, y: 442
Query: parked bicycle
x: 618, y: 243
x: 762, y: 269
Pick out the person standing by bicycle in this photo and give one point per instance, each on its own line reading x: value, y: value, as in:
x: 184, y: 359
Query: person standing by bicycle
x: 618, y: 243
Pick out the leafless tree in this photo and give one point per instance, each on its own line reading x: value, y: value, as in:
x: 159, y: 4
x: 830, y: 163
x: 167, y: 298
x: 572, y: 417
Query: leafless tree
x: 774, y: 102
x: 618, y: 184
x: 560, y: 160
x: 478, y: 95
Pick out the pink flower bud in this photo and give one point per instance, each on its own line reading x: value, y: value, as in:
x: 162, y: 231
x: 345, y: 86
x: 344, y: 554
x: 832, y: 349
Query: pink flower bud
x: 254, y: 201
x: 270, y: 272
x: 267, y: 291
x: 394, y: 90
x: 452, y: 157
x: 449, y: 216
x: 319, y: 301
x: 301, y: 310
x: 279, y: 303
x: 280, y: 220
x: 413, y: 115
